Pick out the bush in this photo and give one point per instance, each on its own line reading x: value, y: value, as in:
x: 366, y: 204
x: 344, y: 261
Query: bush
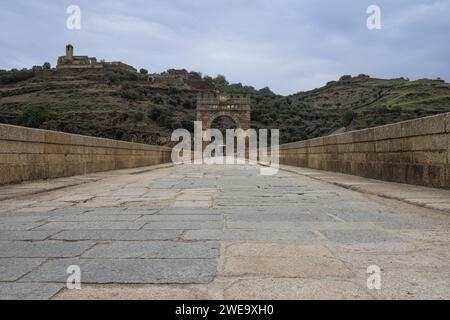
x: 158, y: 99
x: 172, y: 91
x: 116, y: 76
x: 15, y: 76
x: 132, y: 94
x: 33, y: 117
x: 155, y: 113
x: 139, y: 116
x: 189, y: 104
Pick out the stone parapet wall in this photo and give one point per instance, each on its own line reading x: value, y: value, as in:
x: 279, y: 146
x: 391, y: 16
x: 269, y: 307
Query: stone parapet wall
x: 31, y: 154
x: 414, y: 152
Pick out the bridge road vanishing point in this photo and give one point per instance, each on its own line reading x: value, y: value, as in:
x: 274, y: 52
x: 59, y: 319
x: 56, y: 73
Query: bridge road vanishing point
x: 217, y: 232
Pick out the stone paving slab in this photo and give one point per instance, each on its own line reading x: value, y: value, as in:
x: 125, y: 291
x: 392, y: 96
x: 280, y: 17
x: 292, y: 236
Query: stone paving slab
x: 12, y: 269
x: 297, y: 289
x: 185, y: 225
x: 295, y: 217
x: 26, y: 235
x: 43, y: 249
x: 19, y: 218
x: 19, y: 226
x: 28, y: 291
x: 181, y: 217
x: 93, y: 217
x: 360, y: 236
x: 291, y: 226
x: 373, y: 217
x: 128, y: 271
x: 92, y: 225
x: 282, y: 260
x: 189, y: 211
x: 240, y: 234
x: 117, y: 235
x: 154, y: 250
x: 192, y: 204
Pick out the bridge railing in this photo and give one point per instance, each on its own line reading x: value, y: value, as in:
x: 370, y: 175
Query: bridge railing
x: 31, y: 154
x: 413, y: 152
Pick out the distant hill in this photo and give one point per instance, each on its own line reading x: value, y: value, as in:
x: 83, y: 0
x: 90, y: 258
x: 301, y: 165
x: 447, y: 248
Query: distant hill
x: 145, y: 108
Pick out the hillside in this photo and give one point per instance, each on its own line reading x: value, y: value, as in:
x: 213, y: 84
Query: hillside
x: 114, y: 104
x: 146, y: 108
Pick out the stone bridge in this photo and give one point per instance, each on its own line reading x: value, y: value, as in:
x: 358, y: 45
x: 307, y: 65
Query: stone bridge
x: 141, y: 228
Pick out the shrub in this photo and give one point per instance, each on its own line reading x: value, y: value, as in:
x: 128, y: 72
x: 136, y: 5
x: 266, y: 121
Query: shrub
x: 172, y: 91
x: 131, y: 94
x: 345, y: 77
x: 157, y: 99
x: 15, y: 76
x: 155, y: 113
x: 139, y: 116
x: 33, y: 116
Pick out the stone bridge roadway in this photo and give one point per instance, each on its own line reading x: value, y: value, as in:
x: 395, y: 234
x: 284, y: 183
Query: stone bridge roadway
x: 214, y: 232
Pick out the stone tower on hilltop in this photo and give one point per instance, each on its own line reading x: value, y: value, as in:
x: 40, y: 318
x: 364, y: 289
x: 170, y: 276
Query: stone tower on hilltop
x: 70, y: 61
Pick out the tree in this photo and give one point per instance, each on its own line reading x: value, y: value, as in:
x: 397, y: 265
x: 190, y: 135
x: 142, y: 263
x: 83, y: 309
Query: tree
x: 143, y: 71
x: 348, y: 117
x: 47, y: 66
x: 220, y: 81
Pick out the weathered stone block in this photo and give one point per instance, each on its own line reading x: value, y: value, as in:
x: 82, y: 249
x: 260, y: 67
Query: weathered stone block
x: 391, y: 145
x: 345, y: 138
x: 388, y: 132
x: 20, y: 147
x: 364, y: 147
x: 429, y: 142
x: 424, y: 126
x: 315, y: 142
x: 429, y: 175
x: 390, y: 171
x: 394, y: 157
x: 330, y: 140
x: 129, y: 271
x: 364, y: 135
x: 14, y: 133
x: 429, y: 157
x: 447, y: 173
x: 447, y: 122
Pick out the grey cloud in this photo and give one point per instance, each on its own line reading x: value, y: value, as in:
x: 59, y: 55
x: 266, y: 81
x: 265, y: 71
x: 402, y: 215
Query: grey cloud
x: 289, y: 45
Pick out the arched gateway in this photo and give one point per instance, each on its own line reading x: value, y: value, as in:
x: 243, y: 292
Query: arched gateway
x: 211, y: 106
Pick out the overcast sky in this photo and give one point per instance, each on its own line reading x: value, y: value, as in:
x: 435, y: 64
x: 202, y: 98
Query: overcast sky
x: 288, y: 45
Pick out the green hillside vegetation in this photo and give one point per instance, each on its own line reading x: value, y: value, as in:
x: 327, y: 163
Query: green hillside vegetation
x: 125, y: 105
x: 114, y: 104
x: 350, y: 103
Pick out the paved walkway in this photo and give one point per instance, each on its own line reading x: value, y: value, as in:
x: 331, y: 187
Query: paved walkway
x: 217, y: 232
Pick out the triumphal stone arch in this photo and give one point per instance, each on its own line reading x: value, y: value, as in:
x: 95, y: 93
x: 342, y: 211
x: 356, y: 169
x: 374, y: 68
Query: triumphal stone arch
x: 211, y: 106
